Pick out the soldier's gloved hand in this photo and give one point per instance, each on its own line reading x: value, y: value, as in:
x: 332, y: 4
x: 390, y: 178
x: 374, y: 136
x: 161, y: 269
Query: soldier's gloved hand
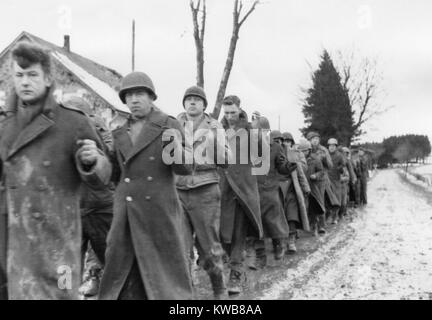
x: 87, y: 152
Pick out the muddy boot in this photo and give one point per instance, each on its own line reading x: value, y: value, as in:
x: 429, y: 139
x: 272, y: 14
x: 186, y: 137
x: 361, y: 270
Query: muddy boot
x: 260, y: 258
x: 321, y: 225
x: 278, y: 248
x: 236, y: 281
x: 291, y: 243
x: 90, y: 287
x: 218, y: 284
x: 250, y: 255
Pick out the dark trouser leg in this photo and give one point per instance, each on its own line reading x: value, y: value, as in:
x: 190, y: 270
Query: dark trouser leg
x: 238, y: 242
x: 202, y: 209
x: 363, y: 190
x: 344, y: 200
x: 133, y: 289
x: 96, y: 226
x: 3, y: 256
x: 357, y: 188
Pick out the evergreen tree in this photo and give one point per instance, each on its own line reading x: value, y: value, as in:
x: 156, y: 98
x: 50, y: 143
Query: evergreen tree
x: 327, y: 108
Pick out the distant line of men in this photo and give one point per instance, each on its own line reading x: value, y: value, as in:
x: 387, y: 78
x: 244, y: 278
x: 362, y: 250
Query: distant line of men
x: 142, y: 215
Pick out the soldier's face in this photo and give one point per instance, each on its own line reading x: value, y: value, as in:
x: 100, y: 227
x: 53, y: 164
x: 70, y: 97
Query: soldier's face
x: 315, y: 141
x: 30, y: 83
x: 287, y: 143
x: 139, y: 102
x: 332, y: 147
x: 361, y: 153
x: 194, y: 105
x: 232, y: 113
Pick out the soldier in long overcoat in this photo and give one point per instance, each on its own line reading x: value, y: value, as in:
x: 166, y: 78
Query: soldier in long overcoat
x: 47, y: 150
x: 272, y: 213
x: 335, y: 173
x: 315, y: 174
x: 240, y: 208
x: 146, y: 252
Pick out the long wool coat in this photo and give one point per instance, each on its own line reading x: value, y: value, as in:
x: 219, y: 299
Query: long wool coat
x: 335, y: 174
x: 323, y: 154
x: 39, y: 193
x: 147, y: 223
x: 237, y: 181
x: 315, y: 174
x: 272, y: 213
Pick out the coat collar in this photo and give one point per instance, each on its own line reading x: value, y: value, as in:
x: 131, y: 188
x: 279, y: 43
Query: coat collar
x: 42, y: 122
x: 151, y: 129
x: 204, y: 124
x: 243, y: 121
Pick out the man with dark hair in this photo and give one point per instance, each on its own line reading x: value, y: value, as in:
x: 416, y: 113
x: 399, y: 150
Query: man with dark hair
x: 240, y: 207
x: 46, y: 151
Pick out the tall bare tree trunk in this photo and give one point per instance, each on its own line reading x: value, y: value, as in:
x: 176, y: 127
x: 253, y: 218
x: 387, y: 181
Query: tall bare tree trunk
x: 237, y: 23
x: 199, y: 32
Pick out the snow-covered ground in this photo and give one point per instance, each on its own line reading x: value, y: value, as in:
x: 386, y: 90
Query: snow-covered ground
x: 384, y: 253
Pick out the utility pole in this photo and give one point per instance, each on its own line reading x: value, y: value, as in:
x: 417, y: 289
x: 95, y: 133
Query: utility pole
x: 133, y: 45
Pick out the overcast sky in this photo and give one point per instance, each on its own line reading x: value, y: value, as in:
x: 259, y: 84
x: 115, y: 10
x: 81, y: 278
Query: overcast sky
x: 278, y: 45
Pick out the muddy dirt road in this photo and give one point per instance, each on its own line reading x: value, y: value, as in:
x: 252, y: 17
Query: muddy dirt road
x: 383, y: 251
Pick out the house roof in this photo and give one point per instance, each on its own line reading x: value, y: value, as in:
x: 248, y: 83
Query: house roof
x: 98, y: 78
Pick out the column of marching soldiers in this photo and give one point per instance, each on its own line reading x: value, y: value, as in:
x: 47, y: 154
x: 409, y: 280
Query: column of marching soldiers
x: 75, y: 196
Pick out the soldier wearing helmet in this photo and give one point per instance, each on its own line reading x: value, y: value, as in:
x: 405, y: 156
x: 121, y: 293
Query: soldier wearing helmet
x: 145, y: 256
x: 295, y: 188
x: 321, y: 153
x: 337, y: 173
x: 315, y: 175
x: 272, y: 214
x: 199, y: 191
x: 350, y: 185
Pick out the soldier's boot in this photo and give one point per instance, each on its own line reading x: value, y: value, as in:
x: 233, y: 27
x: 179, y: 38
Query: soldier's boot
x: 236, y: 281
x: 291, y: 243
x: 334, y: 216
x: 218, y: 283
x: 260, y: 258
x: 321, y: 225
x: 90, y: 287
x: 278, y: 248
x: 250, y: 255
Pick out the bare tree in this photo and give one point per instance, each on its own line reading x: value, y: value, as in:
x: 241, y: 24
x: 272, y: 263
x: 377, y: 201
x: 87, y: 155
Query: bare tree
x: 237, y: 23
x: 198, y: 9
x: 362, y: 79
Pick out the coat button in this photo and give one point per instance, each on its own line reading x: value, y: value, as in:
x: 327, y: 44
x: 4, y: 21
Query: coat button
x: 129, y: 199
x: 127, y: 180
x: 46, y: 163
x: 37, y: 215
x: 149, y: 178
x: 148, y: 198
x: 151, y: 158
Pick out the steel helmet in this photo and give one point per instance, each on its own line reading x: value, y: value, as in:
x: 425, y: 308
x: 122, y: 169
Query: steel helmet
x: 288, y: 136
x: 312, y: 135
x: 332, y: 141
x: 345, y: 149
x: 261, y: 123
x: 304, y: 145
x: 135, y: 80
x: 195, y: 91
x: 275, y: 134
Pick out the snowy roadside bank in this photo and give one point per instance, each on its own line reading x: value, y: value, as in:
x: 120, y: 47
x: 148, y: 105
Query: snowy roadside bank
x: 422, y: 180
